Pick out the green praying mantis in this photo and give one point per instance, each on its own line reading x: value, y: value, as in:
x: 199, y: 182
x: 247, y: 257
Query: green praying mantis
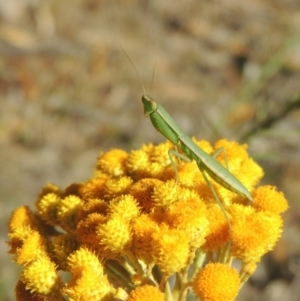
x: 165, y: 124
x: 206, y: 163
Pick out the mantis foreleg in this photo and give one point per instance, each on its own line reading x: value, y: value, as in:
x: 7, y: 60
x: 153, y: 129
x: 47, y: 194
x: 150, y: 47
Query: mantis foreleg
x: 178, y: 155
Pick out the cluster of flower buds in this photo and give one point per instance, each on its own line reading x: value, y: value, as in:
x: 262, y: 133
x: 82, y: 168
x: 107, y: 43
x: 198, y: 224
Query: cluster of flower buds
x: 139, y: 231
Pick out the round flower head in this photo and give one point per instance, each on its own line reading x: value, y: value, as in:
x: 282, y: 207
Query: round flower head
x: 215, y: 282
x: 124, y: 207
x: 189, y: 214
x: 67, y: 210
x: 267, y: 198
x: 143, y: 227
x: 88, y: 280
x: 142, y: 191
x: 21, y: 217
x: 218, y: 229
x: 91, y: 206
x: 116, y: 186
x: 170, y: 249
x: 253, y: 233
x: 86, y: 232
x: 33, y: 247
x: 114, y: 235
x: 94, y: 188
x: 149, y: 162
x: 112, y: 162
x: 40, y: 277
x: 146, y: 293
x: 47, y: 208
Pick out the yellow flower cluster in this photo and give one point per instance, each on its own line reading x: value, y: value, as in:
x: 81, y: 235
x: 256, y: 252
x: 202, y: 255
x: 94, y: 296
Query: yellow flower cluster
x: 123, y: 233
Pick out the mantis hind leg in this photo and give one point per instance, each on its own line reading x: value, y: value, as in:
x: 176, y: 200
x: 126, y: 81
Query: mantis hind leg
x: 214, y: 193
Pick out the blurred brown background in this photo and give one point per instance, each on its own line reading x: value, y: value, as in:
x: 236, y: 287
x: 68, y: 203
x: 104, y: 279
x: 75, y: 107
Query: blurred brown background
x: 67, y: 92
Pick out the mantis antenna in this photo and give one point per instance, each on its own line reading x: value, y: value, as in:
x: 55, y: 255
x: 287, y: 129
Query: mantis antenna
x: 134, y: 69
x: 140, y: 79
x: 152, y: 77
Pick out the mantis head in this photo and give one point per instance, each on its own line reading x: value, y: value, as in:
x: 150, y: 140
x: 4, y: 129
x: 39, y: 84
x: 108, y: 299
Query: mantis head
x: 150, y: 105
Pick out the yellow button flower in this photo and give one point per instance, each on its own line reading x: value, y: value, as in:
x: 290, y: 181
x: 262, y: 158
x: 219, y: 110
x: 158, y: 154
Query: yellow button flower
x: 40, y: 277
x: 146, y: 293
x: 216, y: 282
